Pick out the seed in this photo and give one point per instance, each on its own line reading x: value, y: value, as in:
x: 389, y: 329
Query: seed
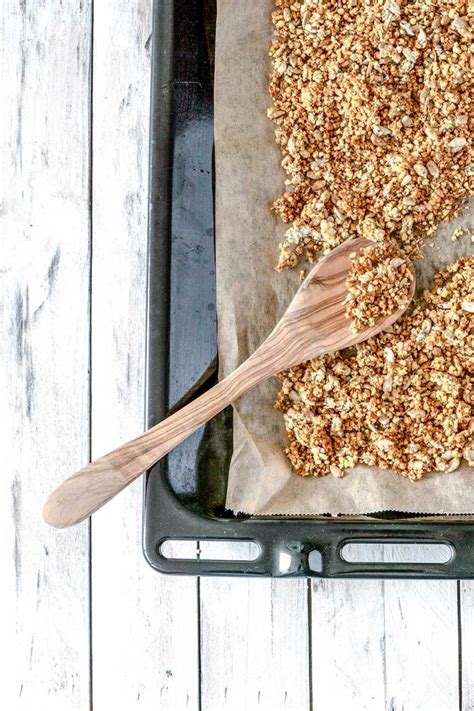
x: 417, y: 413
x: 459, y: 25
x: 468, y: 306
x: 420, y: 169
x: 276, y: 114
x: 406, y: 27
x: 453, y: 465
x: 406, y: 66
x: 291, y: 145
x: 426, y: 325
x: 457, y: 144
x: 409, y: 55
x: 381, y: 131
x: 393, y: 7
x: 424, y: 97
x: 396, y: 262
x: 421, y: 38
x: 432, y: 169
x: 449, y: 454
x: 336, y: 471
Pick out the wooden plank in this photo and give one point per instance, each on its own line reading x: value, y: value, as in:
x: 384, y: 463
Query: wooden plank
x: 348, y: 644
x: 421, y: 643
x: 44, y: 267
x: 145, y: 626
x: 254, y: 642
x: 391, y: 644
x: 467, y: 644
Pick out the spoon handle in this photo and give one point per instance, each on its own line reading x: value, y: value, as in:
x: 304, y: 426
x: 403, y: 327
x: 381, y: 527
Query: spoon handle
x: 85, y: 492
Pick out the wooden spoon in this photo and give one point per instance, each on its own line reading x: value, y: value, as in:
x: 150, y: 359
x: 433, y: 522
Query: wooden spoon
x: 314, y: 324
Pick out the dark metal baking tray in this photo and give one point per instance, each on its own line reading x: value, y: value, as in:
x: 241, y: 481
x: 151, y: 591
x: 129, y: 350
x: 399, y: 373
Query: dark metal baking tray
x: 185, y: 493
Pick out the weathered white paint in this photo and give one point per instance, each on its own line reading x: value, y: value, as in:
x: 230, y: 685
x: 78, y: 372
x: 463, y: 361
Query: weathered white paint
x: 254, y: 641
x: 467, y: 644
x: 348, y: 644
x: 391, y: 644
x: 44, y: 270
x: 421, y: 642
x: 145, y: 626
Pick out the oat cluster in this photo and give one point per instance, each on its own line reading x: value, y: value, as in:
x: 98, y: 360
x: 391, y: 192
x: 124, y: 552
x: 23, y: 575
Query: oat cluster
x: 372, y: 103
x: 400, y: 401
x: 379, y: 283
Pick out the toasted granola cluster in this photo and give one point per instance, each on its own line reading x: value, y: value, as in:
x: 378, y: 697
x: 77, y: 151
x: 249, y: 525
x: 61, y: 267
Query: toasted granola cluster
x: 401, y: 401
x: 371, y: 102
x: 378, y: 284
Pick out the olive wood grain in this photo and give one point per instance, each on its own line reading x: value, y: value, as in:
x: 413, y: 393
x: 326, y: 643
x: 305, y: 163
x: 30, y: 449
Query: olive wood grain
x: 314, y: 324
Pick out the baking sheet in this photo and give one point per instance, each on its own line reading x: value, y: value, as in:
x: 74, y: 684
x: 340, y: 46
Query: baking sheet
x: 252, y: 295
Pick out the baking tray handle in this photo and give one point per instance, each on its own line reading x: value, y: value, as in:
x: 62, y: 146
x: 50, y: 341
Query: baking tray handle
x: 299, y: 547
x: 405, y: 554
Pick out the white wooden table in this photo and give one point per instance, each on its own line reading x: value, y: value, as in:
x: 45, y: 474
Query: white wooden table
x: 84, y: 622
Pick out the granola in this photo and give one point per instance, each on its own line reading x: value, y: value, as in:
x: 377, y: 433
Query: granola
x: 401, y: 401
x: 378, y: 284
x: 372, y: 105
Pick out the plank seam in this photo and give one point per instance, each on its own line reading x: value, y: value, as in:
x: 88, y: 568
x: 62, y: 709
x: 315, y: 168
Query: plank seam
x: 199, y: 632
x: 310, y: 642
x: 460, y: 665
x: 91, y: 235
x: 384, y: 654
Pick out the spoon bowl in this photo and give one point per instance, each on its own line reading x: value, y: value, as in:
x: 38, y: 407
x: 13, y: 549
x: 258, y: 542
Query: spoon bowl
x: 314, y: 324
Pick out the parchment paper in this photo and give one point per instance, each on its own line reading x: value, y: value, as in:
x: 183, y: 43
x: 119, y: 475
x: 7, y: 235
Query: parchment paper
x: 252, y: 295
